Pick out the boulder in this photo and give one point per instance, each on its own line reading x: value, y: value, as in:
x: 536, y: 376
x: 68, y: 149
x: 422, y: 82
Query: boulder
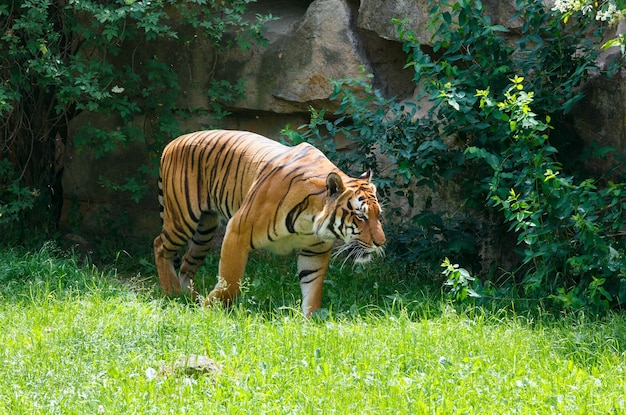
x: 304, y: 52
x: 598, y: 121
x: 376, y: 16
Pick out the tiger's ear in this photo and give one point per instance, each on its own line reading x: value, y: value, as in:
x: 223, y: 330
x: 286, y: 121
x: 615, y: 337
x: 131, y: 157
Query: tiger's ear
x: 334, y: 185
x: 367, y: 175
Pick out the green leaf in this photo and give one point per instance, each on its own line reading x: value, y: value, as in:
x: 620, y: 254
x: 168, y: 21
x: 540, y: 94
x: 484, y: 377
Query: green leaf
x: 454, y: 104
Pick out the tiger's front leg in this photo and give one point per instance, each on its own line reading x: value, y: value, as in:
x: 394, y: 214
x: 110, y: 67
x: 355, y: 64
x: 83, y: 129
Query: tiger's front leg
x: 312, y: 267
x: 233, y: 259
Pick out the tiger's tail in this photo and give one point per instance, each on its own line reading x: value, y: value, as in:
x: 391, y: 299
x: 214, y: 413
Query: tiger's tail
x: 160, y: 198
x: 177, y: 259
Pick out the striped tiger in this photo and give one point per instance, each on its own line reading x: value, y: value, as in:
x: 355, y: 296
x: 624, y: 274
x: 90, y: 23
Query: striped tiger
x: 283, y: 199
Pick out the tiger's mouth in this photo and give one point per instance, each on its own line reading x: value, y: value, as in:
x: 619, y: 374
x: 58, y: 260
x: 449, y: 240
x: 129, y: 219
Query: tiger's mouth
x: 358, y: 251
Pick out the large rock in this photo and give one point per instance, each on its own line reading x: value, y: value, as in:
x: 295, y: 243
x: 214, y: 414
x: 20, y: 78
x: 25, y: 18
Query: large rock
x: 305, y: 51
x: 376, y: 16
x: 598, y: 121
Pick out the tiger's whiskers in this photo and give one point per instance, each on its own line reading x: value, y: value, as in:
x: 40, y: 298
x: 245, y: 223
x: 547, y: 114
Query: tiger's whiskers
x: 359, y: 252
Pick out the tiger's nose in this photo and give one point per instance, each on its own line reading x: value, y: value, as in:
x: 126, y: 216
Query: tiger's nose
x: 378, y: 235
x: 380, y: 241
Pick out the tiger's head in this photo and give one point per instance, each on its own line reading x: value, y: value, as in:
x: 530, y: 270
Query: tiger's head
x: 352, y: 213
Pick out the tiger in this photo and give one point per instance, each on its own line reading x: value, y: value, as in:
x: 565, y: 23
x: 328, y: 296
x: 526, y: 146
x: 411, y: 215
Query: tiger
x: 280, y: 198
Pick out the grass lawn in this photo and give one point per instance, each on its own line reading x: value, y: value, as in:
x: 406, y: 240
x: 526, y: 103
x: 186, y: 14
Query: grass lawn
x: 77, y: 340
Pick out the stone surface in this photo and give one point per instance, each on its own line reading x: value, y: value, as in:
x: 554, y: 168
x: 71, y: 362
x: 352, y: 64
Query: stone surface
x: 304, y: 53
x: 376, y: 16
x: 196, y: 364
x: 600, y: 121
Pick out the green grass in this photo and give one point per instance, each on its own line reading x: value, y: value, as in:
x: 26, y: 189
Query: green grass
x: 81, y: 341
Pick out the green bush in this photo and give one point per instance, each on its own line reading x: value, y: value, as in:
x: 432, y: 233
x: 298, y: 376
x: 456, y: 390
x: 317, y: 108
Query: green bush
x: 496, y: 136
x: 61, y: 59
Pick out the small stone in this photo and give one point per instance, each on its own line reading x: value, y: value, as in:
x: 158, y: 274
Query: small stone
x: 197, y: 364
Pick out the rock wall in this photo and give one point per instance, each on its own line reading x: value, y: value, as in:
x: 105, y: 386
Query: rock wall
x: 311, y: 42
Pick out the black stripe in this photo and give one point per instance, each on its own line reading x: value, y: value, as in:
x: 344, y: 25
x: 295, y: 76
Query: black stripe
x: 305, y: 273
x: 309, y: 253
x: 206, y: 231
x: 251, y: 234
x: 203, y: 242
x: 294, y: 214
x: 174, y: 244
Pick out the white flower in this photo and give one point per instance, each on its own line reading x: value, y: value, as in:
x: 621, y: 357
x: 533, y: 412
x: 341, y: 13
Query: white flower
x: 608, y: 14
x: 189, y: 381
x: 563, y: 6
x: 151, y: 373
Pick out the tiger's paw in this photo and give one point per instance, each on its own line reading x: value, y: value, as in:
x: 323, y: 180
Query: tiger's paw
x: 213, y: 302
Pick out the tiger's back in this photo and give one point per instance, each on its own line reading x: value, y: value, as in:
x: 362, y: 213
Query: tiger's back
x: 273, y: 196
x: 212, y: 170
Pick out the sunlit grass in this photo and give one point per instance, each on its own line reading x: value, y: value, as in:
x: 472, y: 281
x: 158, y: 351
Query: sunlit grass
x: 81, y: 341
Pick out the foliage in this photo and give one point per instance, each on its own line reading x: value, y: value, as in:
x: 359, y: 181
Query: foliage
x: 61, y: 59
x: 570, y: 233
x: 459, y: 280
x: 15, y: 198
x: 81, y: 340
x: 489, y: 131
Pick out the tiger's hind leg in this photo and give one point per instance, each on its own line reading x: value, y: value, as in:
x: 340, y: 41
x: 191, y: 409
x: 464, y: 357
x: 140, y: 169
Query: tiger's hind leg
x: 166, y: 248
x: 171, y: 239
x: 164, y: 254
x: 197, y: 250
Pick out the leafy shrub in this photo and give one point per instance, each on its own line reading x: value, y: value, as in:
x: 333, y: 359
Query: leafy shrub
x: 489, y: 131
x: 60, y: 59
x: 569, y: 233
x: 15, y: 198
